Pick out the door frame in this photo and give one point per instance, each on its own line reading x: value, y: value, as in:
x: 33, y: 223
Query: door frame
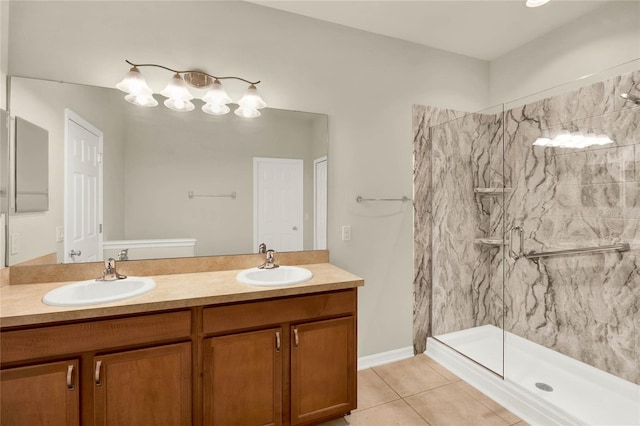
x: 315, y: 200
x: 69, y: 115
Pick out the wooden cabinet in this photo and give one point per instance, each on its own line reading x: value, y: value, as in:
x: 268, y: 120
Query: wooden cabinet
x: 323, y: 368
x: 147, y: 386
x: 280, y: 361
x: 300, y: 370
x: 242, y: 382
x: 40, y: 394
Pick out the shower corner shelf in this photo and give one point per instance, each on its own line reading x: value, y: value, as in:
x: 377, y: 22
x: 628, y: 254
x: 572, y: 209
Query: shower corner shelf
x: 491, y: 191
x: 492, y: 242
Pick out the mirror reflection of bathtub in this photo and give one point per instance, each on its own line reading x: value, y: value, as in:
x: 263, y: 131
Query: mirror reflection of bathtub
x: 150, y: 249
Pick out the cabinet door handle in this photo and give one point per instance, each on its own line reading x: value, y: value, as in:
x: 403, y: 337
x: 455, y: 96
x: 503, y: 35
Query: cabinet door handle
x: 277, y: 341
x: 97, y: 375
x: 296, y: 339
x: 70, y: 377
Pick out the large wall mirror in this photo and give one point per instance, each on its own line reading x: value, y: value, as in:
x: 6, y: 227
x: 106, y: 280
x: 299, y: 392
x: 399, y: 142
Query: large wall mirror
x: 159, y: 183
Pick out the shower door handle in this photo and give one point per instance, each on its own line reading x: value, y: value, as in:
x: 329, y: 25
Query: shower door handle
x: 512, y: 253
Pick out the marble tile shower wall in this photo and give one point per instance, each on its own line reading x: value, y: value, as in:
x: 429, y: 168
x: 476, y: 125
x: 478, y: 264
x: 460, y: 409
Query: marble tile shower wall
x: 585, y: 306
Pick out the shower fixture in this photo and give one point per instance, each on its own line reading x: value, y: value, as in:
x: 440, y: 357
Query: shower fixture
x: 631, y: 98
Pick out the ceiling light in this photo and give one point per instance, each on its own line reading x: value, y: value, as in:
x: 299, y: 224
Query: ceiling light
x: 576, y: 140
x: 179, y: 96
x: 536, y: 3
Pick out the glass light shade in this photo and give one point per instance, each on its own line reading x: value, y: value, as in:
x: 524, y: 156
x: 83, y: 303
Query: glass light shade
x: 247, y: 112
x: 536, y: 3
x: 134, y: 83
x: 214, y: 109
x: 177, y: 89
x: 217, y: 95
x: 141, y: 100
x: 251, y: 99
x: 179, y: 105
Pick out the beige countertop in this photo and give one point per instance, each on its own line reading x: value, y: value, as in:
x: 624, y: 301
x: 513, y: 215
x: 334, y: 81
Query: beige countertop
x: 22, y: 305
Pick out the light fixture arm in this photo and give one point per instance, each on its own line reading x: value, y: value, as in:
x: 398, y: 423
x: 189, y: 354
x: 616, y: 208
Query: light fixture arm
x: 192, y: 71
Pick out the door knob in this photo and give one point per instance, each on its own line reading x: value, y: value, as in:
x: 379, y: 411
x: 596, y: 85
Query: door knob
x: 73, y: 253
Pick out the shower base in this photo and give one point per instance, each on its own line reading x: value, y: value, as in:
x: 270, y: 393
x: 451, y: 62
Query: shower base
x: 580, y: 395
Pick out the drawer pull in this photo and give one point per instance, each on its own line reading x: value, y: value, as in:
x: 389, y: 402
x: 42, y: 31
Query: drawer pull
x: 296, y: 339
x: 277, y: 341
x: 70, y: 385
x: 97, y: 375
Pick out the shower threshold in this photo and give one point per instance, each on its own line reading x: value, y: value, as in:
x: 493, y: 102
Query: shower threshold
x: 541, y: 386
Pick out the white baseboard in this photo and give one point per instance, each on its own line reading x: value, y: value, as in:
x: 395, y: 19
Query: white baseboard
x: 384, y: 357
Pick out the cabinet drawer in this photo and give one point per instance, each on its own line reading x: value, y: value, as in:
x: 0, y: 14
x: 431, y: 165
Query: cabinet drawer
x: 96, y: 335
x: 219, y: 319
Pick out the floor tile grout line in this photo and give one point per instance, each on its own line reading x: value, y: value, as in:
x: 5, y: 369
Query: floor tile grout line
x: 386, y: 383
x: 489, y: 408
x: 416, y: 411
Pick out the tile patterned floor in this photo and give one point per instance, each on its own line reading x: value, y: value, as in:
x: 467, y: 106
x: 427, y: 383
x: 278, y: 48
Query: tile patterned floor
x: 419, y: 391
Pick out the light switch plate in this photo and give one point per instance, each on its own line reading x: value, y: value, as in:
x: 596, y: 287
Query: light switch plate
x: 346, y: 233
x: 59, y: 234
x: 15, y: 243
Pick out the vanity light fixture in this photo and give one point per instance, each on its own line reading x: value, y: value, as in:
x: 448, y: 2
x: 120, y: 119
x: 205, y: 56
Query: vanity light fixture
x: 536, y: 3
x: 179, y: 97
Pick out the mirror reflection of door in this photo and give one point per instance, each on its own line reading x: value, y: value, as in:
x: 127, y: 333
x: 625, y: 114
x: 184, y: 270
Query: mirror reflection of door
x: 83, y: 190
x: 320, y: 203
x: 278, y: 203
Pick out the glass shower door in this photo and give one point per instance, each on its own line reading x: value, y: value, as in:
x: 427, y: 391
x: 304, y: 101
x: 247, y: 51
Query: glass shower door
x: 468, y: 192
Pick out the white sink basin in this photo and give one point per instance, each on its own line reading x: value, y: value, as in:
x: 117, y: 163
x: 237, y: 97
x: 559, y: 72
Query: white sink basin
x: 283, y: 275
x: 92, y: 292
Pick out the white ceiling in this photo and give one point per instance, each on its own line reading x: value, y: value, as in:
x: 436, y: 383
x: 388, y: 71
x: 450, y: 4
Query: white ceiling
x: 478, y: 28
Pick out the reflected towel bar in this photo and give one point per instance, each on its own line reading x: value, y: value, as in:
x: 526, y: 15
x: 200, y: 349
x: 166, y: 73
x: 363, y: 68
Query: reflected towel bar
x: 404, y: 199
x: 599, y: 249
x: 192, y: 195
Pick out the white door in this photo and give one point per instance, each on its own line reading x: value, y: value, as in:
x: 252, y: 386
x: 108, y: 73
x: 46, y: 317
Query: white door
x: 278, y: 203
x: 320, y: 203
x: 83, y: 190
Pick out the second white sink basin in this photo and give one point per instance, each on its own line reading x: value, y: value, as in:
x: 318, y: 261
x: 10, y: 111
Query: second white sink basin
x: 92, y: 292
x: 283, y: 275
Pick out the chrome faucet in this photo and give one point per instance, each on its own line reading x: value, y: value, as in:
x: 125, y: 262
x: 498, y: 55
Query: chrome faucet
x: 270, y: 261
x: 123, y: 255
x: 110, y: 273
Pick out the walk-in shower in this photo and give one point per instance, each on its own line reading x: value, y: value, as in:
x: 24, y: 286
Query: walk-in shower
x: 528, y: 244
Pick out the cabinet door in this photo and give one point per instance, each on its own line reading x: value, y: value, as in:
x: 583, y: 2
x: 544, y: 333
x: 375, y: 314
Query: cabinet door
x: 144, y: 387
x: 323, y: 369
x: 242, y: 383
x: 40, y: 394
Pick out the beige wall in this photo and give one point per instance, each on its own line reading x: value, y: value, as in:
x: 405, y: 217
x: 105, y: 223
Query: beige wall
x: 364, y: 82
x: 4, y: 51
x: 593, y: 43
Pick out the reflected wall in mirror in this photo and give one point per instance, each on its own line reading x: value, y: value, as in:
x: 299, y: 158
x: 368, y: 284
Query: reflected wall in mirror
x: 32, y: 167
x: 152, y: 159
x: 4, y: 182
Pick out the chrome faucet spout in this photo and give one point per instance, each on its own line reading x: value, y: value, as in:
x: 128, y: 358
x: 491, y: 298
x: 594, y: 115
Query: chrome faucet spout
x: 270, y: 262
x: 110, y: 273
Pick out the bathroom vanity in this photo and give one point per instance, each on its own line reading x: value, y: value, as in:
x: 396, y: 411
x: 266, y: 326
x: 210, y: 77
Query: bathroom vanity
x: 199, y: 349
